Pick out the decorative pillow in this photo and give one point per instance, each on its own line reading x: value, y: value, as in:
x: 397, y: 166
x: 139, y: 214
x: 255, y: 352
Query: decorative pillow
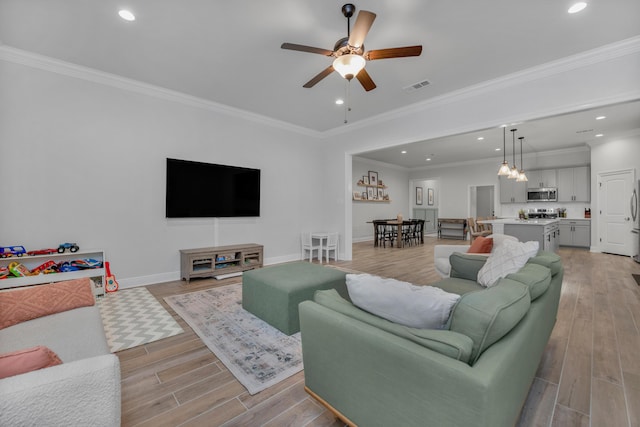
x: 486, y: 316
x: 30, y: 359
x: 21, y: 305
x: 509, y: 257
x: 424, y: 307
x: 481, y: 245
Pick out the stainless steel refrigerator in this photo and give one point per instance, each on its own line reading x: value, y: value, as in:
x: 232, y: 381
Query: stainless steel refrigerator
x: 635, y: 215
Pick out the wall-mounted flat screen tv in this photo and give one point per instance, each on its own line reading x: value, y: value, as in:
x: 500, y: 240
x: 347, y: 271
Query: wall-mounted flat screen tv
x: 206, y: 190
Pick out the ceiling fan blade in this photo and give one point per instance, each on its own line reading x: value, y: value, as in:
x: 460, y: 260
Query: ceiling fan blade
x: 365, y: 80
x: 309, y: 49
x: 395, y: 52
x: 321, y: 75
x: 364, y: 21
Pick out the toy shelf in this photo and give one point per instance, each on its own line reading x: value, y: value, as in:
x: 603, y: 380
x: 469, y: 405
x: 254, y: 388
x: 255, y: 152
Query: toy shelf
x: 34, y: 261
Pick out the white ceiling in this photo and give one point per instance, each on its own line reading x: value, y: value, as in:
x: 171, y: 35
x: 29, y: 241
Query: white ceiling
x: 229, y: 51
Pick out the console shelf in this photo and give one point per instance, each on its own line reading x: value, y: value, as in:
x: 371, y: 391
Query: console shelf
x: 220, y: 260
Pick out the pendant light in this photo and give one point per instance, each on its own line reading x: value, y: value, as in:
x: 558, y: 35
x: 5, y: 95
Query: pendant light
x: 513, y: 173
x: 522, y: 177
x: 504, y: 168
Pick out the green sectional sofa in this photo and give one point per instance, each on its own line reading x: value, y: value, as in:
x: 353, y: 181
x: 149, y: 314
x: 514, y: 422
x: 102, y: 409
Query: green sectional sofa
x: 476, y: 372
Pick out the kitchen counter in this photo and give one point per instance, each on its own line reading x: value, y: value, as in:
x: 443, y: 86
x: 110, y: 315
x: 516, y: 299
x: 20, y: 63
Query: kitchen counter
x: 503, y: 221
x: 544, y: 231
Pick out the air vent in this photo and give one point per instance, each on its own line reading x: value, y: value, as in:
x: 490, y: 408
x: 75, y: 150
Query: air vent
x: 584, y: 131
x: 417, y: 86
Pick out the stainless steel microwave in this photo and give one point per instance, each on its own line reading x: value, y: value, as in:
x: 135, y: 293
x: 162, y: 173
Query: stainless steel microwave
x: 542, y: 195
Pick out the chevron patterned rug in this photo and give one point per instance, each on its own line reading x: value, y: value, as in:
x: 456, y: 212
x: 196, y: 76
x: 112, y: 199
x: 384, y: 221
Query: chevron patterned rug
x: 132, y: 317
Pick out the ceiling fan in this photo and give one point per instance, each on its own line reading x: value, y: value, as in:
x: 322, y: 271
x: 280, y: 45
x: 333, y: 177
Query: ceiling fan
x: 350, y: 56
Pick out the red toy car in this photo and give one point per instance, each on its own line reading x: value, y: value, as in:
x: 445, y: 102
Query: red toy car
x: 42, y: 252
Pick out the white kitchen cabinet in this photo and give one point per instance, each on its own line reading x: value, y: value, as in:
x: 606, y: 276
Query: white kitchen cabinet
x: 574, y: 184
x: 575, y: 232
x: 512, y: 191
x: 544, y: 178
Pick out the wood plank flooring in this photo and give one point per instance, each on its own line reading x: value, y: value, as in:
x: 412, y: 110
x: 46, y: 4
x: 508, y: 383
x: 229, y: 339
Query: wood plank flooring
x: 589, y: 375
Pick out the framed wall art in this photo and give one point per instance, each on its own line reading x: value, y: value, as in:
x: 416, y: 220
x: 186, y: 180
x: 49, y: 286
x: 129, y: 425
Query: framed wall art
x: 418, y: 195
x: 430, y: 196
x: 373, y: 178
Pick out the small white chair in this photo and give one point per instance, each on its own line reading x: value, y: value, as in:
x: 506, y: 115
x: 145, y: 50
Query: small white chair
x: 332, y: 245
x: 307, y: 245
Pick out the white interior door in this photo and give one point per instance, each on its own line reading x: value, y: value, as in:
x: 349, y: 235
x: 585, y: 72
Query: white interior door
x: 614, y: 219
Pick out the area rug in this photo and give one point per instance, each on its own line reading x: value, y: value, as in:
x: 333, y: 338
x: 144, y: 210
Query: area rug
x: 132, y: 317
x: 256, y: 353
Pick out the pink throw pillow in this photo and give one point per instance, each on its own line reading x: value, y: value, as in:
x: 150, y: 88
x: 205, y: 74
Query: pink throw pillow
x: 30, y: 359
x: 25, y: 304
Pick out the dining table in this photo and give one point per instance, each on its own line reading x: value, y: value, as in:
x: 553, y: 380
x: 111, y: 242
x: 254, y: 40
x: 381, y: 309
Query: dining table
x: 399, y: 224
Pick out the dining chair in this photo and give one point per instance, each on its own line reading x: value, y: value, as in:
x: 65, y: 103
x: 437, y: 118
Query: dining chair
x: 307, y: 245
x: 332, y: 245
x: 474, y: 232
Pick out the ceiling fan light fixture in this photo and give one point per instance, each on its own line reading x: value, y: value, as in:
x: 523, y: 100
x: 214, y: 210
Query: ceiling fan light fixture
x: 348, y: 66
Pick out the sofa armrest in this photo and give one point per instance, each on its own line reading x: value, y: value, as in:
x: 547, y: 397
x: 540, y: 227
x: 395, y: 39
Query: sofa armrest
x: 441, y: 254
x: 84, y: 392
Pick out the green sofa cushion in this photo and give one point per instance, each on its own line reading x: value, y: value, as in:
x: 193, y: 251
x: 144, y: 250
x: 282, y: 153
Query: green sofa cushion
x: 458, y: 286
x: 466, y: 266
x: 447, y: 343
x: 487, y: 315
x: 535, y: 276
x: 548, y: 259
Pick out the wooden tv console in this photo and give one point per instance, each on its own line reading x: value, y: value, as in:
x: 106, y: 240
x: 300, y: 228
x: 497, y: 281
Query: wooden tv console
x: 220, y: 260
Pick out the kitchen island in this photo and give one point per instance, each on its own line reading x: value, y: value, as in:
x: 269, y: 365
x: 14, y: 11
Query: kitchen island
x: 544, y: 231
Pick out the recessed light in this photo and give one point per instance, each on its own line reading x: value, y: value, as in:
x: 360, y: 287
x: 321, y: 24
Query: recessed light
x: 339, y: 101
x: 480, y: 138
x: 577, y: 7
x: 599, y: 135
x: 498, y: 149
x: 126, y: 15
x: 428, y: 159
x: 404, y: 151
x: 601, y: 117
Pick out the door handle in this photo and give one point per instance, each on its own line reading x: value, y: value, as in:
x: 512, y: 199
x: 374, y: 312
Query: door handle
x: 627, y: 219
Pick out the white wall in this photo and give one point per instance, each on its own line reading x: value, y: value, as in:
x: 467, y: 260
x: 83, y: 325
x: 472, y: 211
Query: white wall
x: 396, y: 179
x: 609, y: 156
x: 85, y: 162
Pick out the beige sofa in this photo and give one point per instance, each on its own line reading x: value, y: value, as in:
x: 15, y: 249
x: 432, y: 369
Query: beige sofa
x: 441, y: 253
x: 83, y: 391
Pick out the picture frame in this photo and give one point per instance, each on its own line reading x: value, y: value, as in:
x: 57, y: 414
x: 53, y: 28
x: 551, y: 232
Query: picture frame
x: 380, y: 194
x: 357, y: 195
x: 371, y: 194
x: 418, y: 195
x: 365, y: 179
x: 365, y: 196
x: 430, y: 196
x: 373, y: 178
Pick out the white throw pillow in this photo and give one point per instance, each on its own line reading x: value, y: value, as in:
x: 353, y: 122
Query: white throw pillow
x: 424, y: 307
x: 508, y: 258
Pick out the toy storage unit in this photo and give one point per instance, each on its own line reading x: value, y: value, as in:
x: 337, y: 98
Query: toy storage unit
x: 219, y: 261
x: 31, y: 262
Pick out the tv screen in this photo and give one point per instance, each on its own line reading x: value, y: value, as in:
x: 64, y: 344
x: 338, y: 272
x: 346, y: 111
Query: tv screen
x: 203, y: 190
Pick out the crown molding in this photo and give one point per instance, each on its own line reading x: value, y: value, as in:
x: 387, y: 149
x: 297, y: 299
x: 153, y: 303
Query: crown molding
x: 594, y: 56
x: 34, y: 60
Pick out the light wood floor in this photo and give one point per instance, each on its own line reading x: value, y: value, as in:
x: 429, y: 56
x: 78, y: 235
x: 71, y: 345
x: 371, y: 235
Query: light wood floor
x: 590, y: 373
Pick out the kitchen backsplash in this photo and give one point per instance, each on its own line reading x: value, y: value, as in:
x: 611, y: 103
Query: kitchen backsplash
x: 574, y: 210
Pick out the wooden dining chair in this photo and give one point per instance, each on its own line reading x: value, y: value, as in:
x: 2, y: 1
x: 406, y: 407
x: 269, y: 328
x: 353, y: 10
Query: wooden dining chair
x: 474, y: 232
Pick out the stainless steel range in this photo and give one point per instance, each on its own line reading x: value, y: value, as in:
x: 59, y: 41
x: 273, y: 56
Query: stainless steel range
x: 542, y: 213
